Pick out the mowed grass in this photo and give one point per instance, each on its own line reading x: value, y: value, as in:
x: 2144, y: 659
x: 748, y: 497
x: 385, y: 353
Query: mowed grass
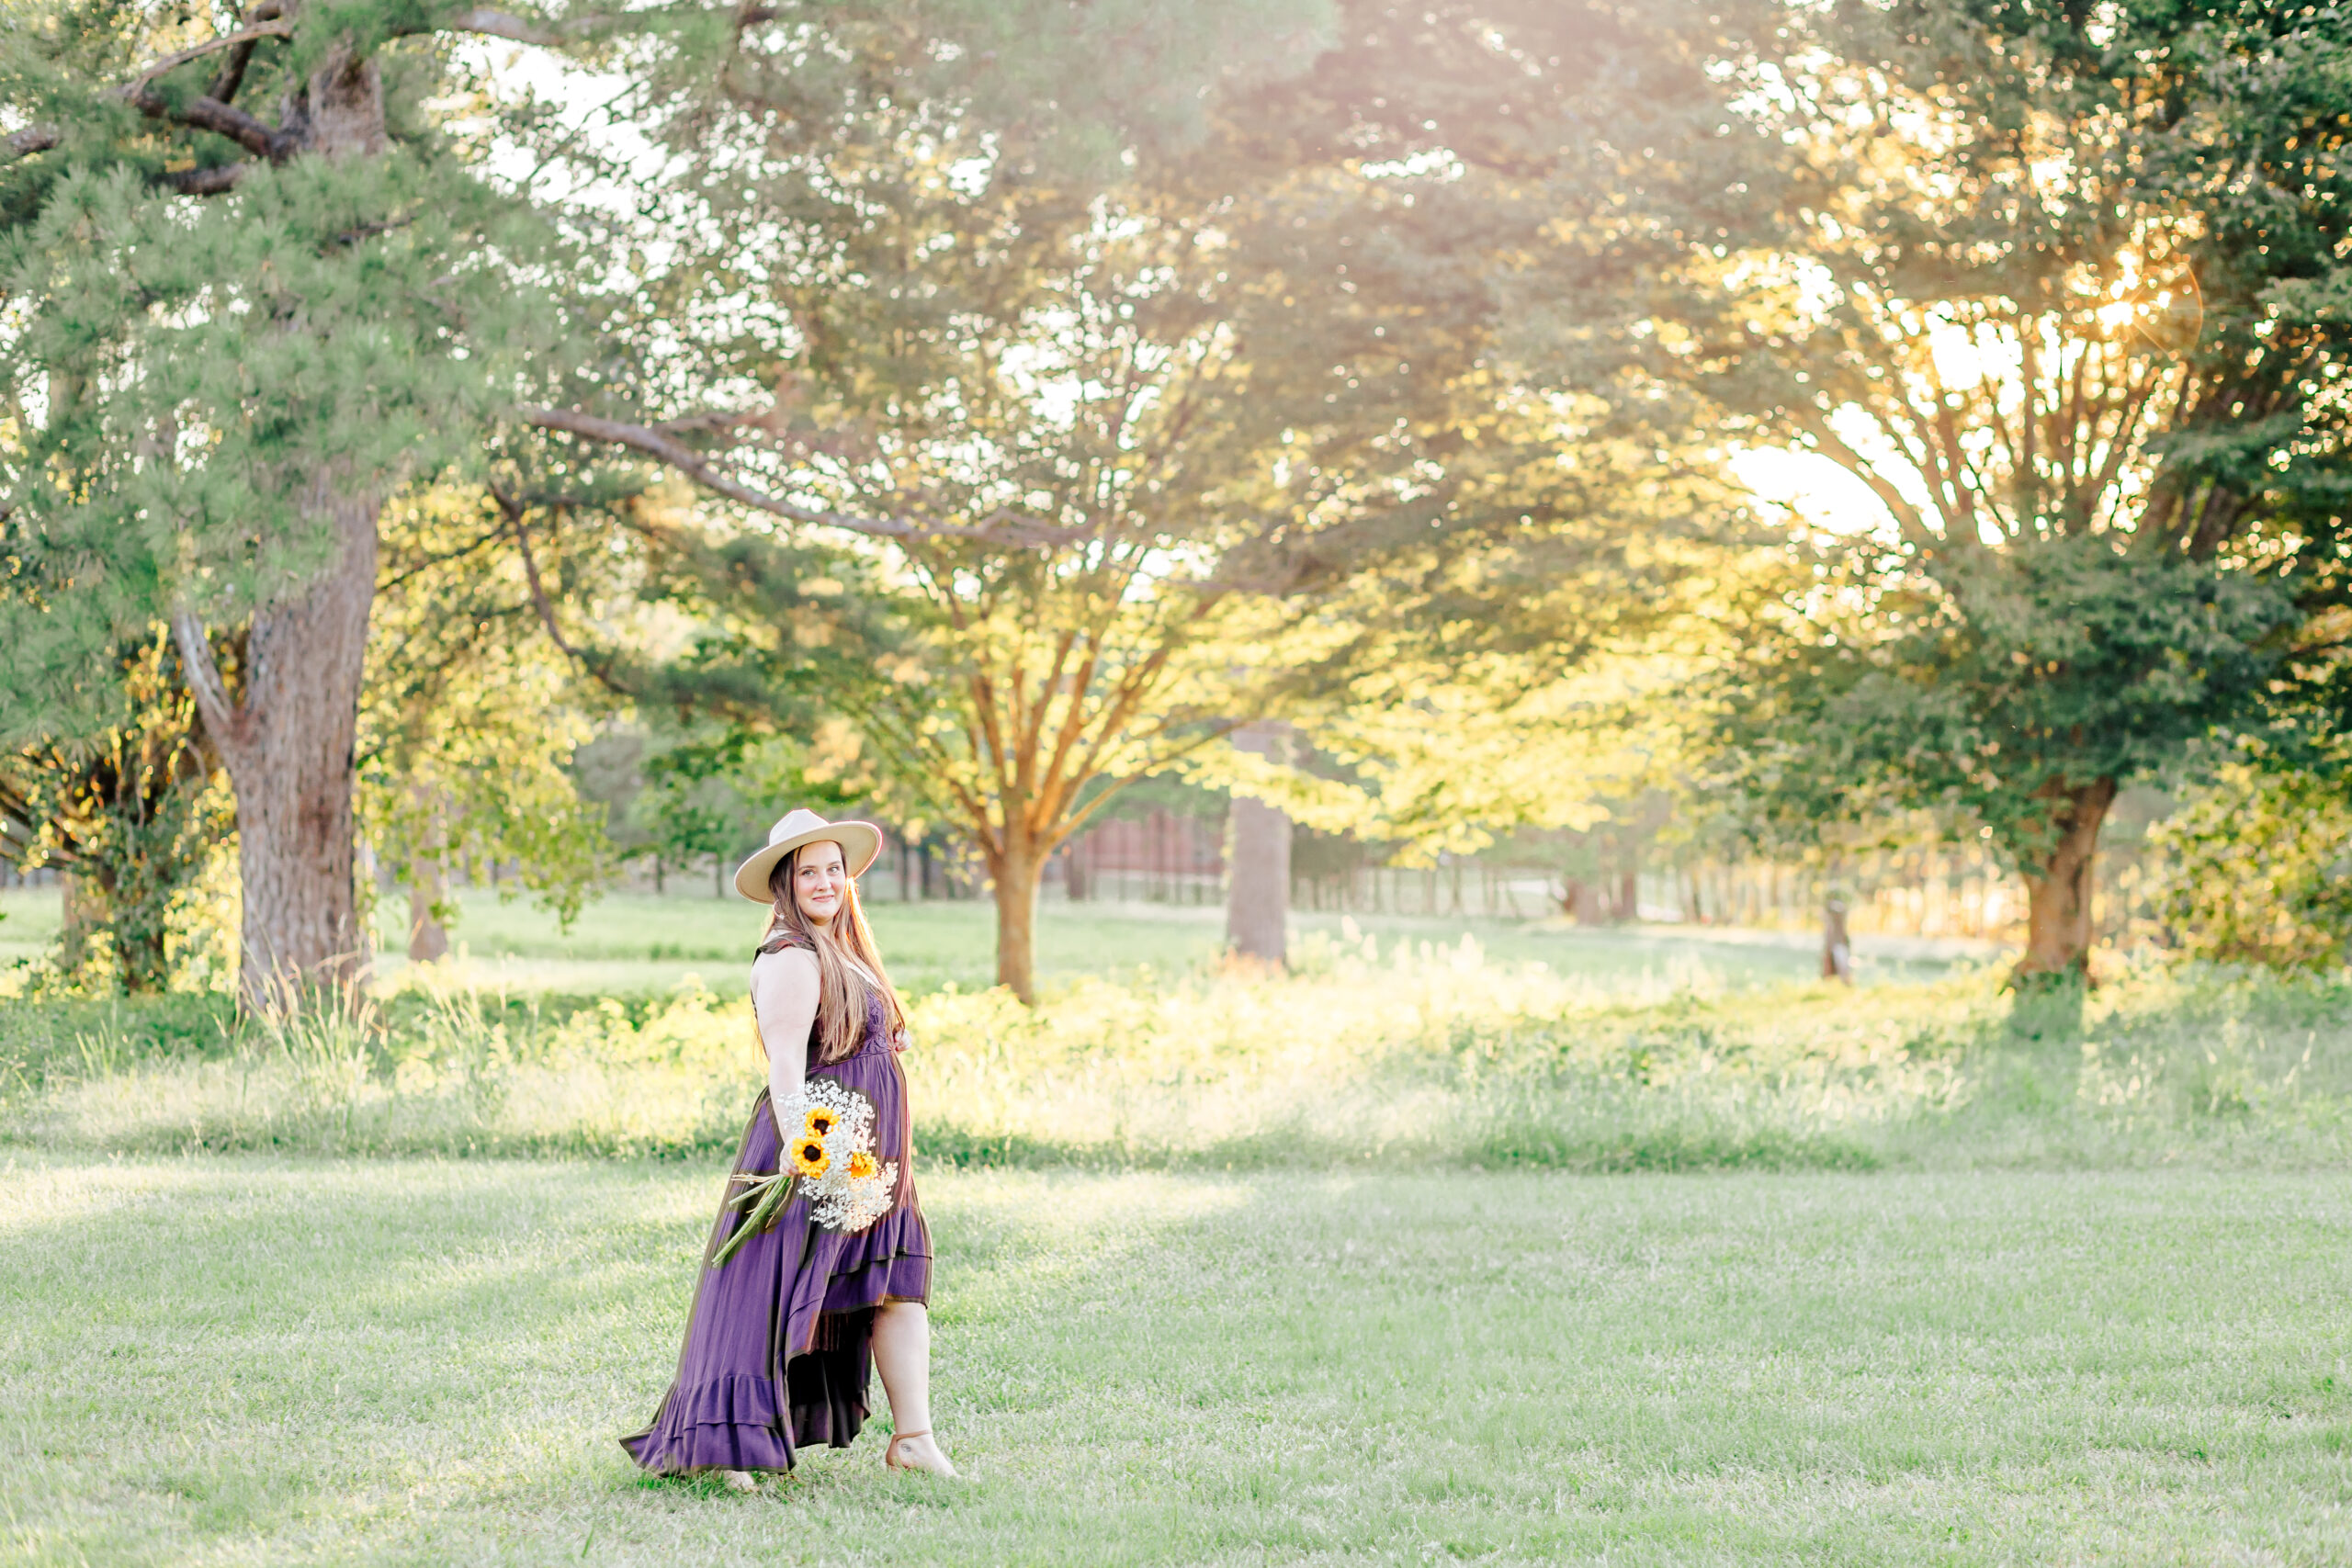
x: 228, y: 1362
x: 641, y: 943
x: 28, y: 921
x: 637, y: 943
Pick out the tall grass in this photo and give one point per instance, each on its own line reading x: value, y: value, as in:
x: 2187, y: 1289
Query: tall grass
x: 452, y: 1072
x: 1412, y: 1055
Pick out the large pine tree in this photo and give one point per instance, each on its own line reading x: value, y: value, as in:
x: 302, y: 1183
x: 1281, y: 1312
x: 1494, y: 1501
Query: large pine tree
x: 256, y: 290
x: 261, y: 280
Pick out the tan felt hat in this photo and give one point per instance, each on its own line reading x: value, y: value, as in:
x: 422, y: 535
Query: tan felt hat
x: 860, y: 843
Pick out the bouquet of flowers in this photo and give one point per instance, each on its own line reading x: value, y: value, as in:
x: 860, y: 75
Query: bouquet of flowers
x: 828, y: 1155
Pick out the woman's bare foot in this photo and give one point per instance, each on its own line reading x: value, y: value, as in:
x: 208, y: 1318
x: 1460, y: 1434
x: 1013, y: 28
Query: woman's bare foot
x: 918, y: 1450
x: 740, y: 1480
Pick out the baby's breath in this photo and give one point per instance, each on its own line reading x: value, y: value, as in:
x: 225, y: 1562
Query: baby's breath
x: 847, y: 1187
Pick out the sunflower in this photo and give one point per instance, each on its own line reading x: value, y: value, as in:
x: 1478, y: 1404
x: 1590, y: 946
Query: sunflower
x: 820, y: 1121
x: 861, y: 1166
x: 808, y: 1157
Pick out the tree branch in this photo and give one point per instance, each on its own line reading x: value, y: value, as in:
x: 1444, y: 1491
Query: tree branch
x: 655, y: 443
x: 231, y: 75
x: 506, y: 25
x: 216, y: 180
x: 514, y: 511
x: 229, y: 724
x: 156, y: 68
x: 221, y: 119
x: 1078, y: 818
x: 31, y: 139
x: 429, y: 562
x: 691, y: 463
x: 210, y: 112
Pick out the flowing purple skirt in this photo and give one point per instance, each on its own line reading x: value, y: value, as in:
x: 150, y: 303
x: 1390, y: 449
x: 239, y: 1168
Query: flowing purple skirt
x: 778, y: 1350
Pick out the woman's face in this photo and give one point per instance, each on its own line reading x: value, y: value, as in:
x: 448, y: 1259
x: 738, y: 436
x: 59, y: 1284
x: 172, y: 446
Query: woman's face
x: 818, y: 875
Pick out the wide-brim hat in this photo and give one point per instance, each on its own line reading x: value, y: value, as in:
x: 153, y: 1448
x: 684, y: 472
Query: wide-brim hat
x: 860, y: 843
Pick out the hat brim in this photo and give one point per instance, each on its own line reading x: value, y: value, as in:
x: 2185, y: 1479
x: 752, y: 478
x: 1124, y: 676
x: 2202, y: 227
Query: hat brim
x: 861, y: 844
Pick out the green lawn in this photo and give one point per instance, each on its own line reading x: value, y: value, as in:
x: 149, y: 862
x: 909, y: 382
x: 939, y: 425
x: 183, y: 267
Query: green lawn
x: 27, y: 922
x: 631, y: 942
x: 638, y: 942
x: 247, y: 1361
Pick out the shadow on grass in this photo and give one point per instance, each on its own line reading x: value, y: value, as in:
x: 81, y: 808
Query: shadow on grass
x: 1695, y: 1146
x: 1508, y: 1144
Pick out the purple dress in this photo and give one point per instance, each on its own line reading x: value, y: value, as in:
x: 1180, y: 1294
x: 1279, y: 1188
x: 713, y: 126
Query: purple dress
x: 778, y: 1350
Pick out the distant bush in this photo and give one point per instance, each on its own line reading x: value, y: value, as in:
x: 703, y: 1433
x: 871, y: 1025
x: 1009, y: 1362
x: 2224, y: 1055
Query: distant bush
x: 2257, y: 869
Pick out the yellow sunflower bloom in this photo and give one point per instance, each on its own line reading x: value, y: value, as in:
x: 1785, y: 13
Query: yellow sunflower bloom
x: 808, y: 1157
x: 821, y: 1121
x: 861, y: 1165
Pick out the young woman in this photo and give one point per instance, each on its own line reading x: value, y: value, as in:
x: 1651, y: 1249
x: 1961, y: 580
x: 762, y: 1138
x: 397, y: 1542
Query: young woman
x: 789, y: 1315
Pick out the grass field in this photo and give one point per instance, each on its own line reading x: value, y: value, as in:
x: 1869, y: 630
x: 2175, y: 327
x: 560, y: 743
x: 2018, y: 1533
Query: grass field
x: 1377, y: 1050
x: 625, y: 941
x: 639, y: 943
x: 238, y: 1362
x: 1623, y: 1247
x: 27, y: 922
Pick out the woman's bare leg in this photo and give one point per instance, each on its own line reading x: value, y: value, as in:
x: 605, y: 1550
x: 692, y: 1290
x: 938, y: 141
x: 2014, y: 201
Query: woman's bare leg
x: 902, y: 1355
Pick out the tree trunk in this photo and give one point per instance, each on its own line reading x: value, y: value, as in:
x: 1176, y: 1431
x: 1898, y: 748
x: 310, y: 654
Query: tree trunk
x: 287, y: 739
x: 1836, y: 947
x: 1629, y: 895
x: 428, y: 939
x: 2060, y: 921
x: 1257, y: 884
x: 78, y: 914
x: 1257, y: 907
x: 1016, y: 874
x: 288, y: 743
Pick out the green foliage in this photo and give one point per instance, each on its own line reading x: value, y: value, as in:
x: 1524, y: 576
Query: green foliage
x: 1154, y: 446
x: 133, y: 809
x: 186, y: 373
x: 1977, y: 689
x: 2257, y: 869
x: 2046, y: 282
x: 231, y: 343
x: 470, y: 718
x: 714, y: 796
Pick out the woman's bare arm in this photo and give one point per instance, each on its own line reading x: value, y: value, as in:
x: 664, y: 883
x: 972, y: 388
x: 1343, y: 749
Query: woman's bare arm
x: 784, y: 990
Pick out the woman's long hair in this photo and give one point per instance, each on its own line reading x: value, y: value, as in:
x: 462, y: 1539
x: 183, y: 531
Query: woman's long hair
x: 841, y: 991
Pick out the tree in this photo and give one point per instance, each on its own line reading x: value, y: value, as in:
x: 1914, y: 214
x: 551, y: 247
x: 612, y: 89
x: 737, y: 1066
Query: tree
x: 126, y: 801
x: 715, y: 791
x: 469, y: 721
x: 236, y: 340
x: 2257, y: 867
x: 1134, y: 512
x: 2057, y: 284
x: 1257, y: 914
x: 1142, y: 426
